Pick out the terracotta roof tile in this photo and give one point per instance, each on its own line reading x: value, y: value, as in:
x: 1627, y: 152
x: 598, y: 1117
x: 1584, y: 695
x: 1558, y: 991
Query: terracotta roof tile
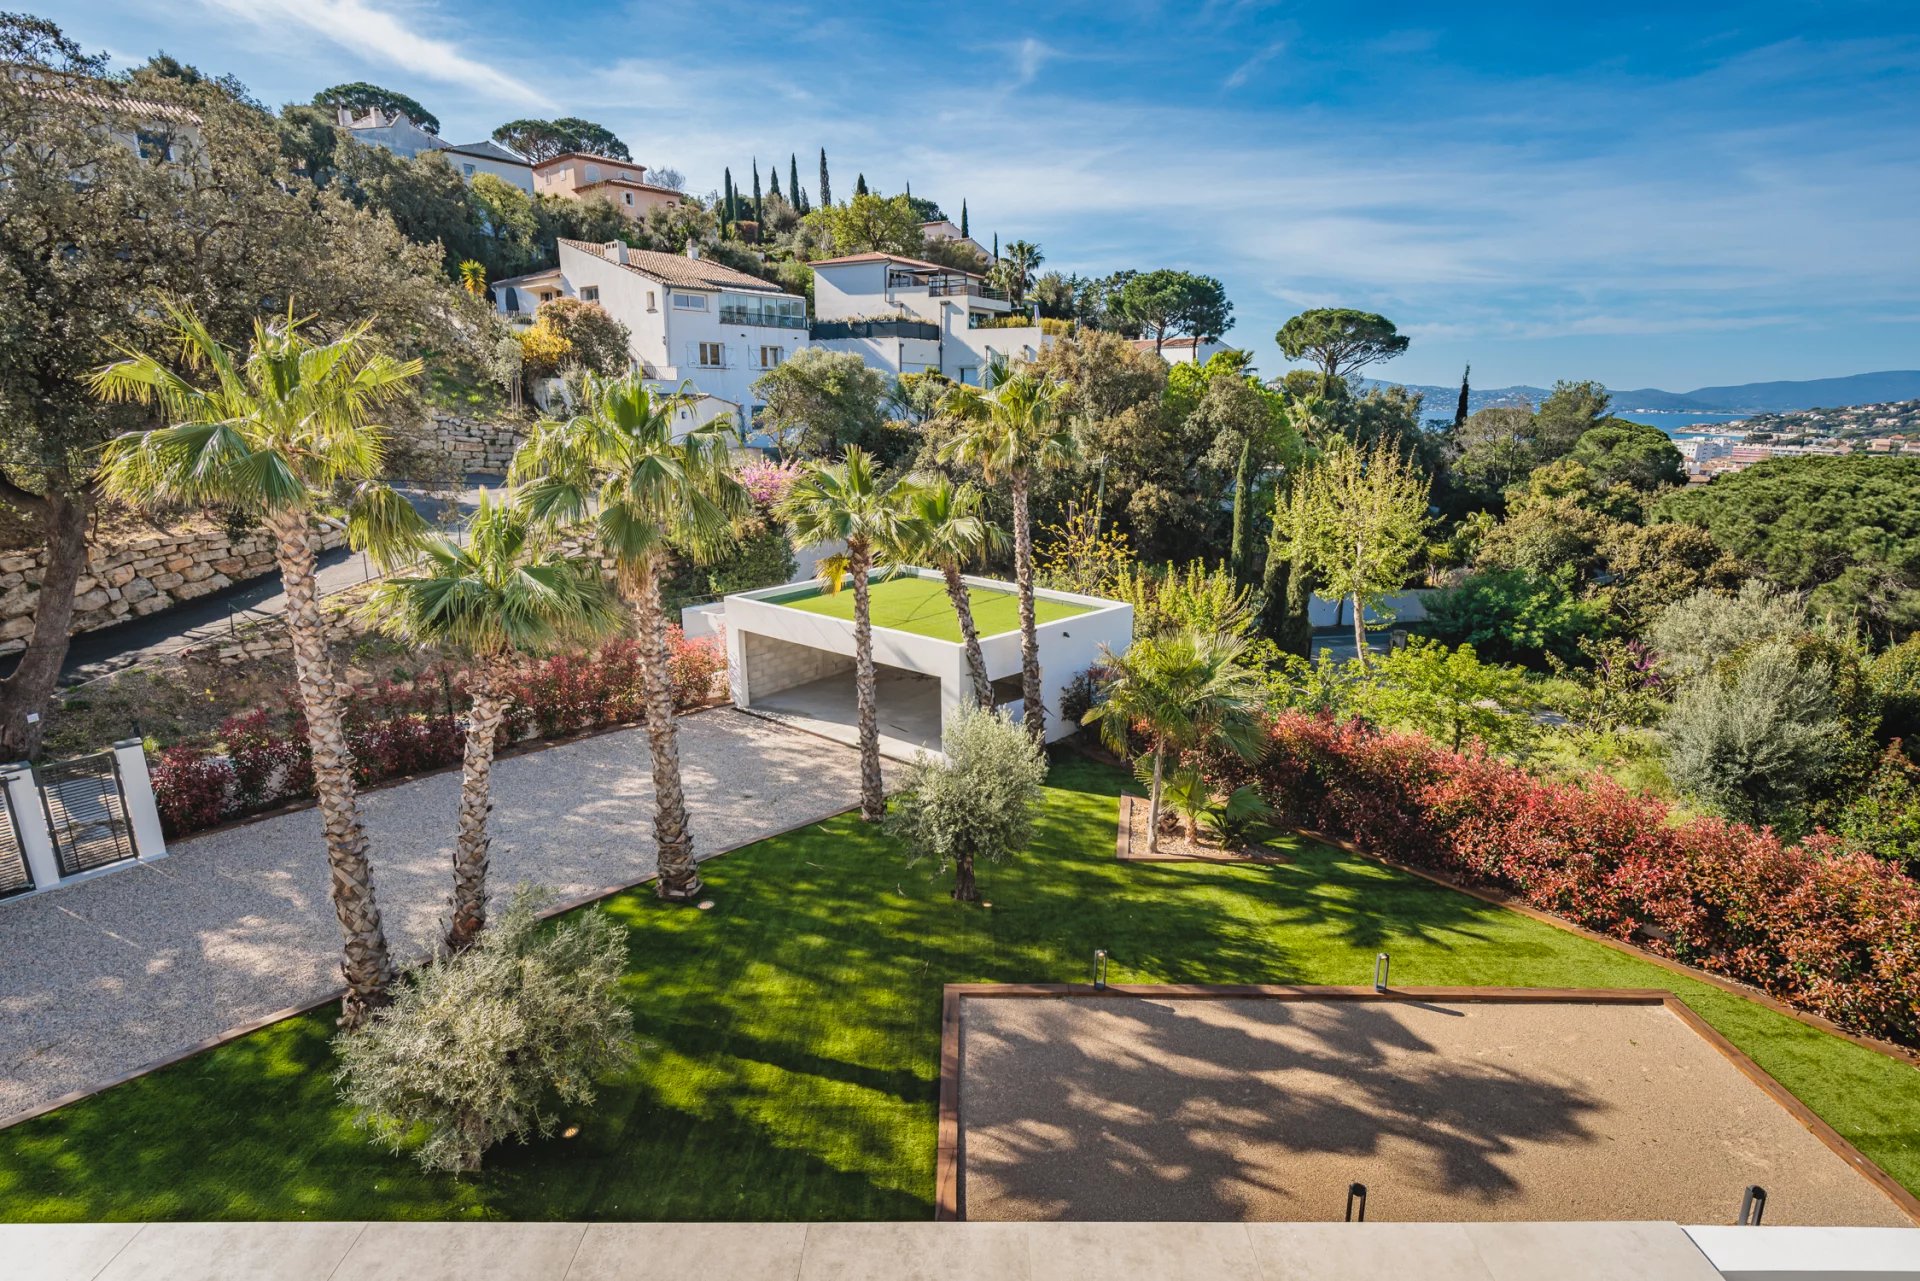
x: 678, y: 269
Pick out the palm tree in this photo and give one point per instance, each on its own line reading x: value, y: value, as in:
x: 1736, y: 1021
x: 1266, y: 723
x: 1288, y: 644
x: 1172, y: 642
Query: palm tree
x: 1017, y: 265
x: 845, y: 502
x: 944, y: 529
x: 276, y: 434
x: 497, y: 597
x: 1183, y: 689
x: 1011, y: 430
x: 621, y: 463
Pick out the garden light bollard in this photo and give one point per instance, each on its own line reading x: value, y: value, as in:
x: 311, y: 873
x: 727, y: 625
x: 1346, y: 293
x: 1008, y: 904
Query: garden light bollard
x: 136, y: 787
x: 1356, y: 1203
x: 1753, y: 1204
x: 30, y: 822
x: 1099, y: 969
x: 1381, y: 964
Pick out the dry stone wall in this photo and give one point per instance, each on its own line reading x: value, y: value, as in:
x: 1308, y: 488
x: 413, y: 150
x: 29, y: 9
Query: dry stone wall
x: 477, y: 445
x: 131, y: 577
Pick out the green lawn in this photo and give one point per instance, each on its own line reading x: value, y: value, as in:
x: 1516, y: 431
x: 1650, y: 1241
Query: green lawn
x: 920, y: 606
x: 791, y: 1035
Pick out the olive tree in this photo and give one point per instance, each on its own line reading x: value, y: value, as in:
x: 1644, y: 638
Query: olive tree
x: 974, y: 805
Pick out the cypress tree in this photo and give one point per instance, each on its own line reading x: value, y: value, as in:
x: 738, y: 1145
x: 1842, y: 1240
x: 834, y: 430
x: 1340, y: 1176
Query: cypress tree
x: 756, y: 190
x: 860, y: 185
x: 963, y: 220
x: 996, y: 246
x: 826, y: 191
x: 1460, y: 410
x: 793, y: 179
x: 802, y: 205
x: 728, y: 211
x: 773, y: 179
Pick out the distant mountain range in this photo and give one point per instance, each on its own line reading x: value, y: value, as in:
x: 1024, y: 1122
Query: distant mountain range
x: 1746, y: 398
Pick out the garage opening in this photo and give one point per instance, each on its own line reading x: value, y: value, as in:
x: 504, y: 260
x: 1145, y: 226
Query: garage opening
x: 813, y: 689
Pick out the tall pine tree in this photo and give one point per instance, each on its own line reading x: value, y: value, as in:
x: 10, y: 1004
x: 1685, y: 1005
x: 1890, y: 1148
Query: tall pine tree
x: 756, y: 190
x: 1460, y: 410
x: 826, y: 190
x: 860, y: 184
x: 963, y: 220
x: 773, y: 183
x: 793, y: 179
x: 730, y: 211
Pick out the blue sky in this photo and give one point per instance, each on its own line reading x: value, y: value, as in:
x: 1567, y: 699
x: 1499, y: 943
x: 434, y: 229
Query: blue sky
x: 1664, y: 195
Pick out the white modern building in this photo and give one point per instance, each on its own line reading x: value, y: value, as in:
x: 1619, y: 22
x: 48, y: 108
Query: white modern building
x: 905, y: 316
x: 400, y: 135
x: 691, y: 321
x: 795, y: 664
x: 1185, y: 351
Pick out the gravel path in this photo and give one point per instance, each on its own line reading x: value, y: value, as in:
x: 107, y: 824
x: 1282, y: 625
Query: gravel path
x: 110, y: 974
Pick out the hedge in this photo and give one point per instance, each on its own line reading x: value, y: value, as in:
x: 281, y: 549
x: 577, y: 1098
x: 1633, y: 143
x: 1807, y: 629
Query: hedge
x: 261, y: 759
x: 1824, y: 929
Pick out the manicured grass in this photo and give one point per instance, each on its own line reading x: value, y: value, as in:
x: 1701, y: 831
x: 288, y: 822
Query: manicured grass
x: 920, y: 606
x: 791, y: 1036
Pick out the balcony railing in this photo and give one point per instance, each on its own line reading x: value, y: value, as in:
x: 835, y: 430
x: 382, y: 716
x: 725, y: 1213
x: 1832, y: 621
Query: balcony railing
x: 827, y: 330
x: 958, y: 287
x: 767, y: 317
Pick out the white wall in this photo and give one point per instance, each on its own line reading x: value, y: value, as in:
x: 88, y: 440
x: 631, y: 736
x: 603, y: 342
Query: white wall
x: 1068, y: 646
x: 467, y: 166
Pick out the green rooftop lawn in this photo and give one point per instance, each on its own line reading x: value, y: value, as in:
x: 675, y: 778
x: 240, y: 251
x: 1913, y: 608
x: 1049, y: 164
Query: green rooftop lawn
x: 920, y: 606
x: 791, y: 1035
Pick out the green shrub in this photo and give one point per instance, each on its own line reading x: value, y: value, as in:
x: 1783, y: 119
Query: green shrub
x: 974, y: 806
x: 1758, y: 741
x: 1515, y: 616
x: 1883, y: 818
x: 1695, y: 634
x: 476, y: 1044
x: 1896, y: 679
x: 1451, y: 696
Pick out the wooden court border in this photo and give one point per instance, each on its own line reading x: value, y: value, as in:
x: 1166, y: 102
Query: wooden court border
x: 949, y: 1204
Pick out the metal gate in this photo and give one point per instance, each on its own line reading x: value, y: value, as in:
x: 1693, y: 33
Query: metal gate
x: 14, y: 876
x: 86, y: 812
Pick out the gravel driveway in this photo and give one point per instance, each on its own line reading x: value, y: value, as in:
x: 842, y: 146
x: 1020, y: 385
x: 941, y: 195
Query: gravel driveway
x: 110, y: 974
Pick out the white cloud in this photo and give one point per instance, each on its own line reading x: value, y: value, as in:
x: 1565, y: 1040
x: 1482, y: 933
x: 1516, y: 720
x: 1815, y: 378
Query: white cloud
x: 385, y: 36
x: 1244, y: 72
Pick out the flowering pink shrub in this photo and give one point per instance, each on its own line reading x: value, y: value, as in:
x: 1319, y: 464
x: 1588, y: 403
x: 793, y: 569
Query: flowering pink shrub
x: 767, y: 482
x: 1833, y: 932
x: 191, y: 789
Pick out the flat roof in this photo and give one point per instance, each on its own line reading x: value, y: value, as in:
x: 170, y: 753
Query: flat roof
x: 917, y: 263
x: 920, y: 606
x: 1449, y: 1105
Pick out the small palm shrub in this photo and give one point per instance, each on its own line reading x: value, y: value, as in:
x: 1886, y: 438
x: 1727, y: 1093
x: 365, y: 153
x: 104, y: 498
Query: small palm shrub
x: 477, y: 1045
x: 977, y: 804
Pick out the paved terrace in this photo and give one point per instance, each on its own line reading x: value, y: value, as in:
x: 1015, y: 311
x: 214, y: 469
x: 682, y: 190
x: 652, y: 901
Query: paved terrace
x: 947, y: 1252
x: 108, y: 975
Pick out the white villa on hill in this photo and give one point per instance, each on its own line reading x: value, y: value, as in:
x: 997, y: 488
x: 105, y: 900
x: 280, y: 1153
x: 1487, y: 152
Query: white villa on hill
x: 905, y: 316
x: 690, y: 320
x: 400, y: 135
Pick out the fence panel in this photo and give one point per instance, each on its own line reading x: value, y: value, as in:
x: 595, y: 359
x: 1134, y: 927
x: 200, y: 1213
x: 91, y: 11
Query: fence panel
x: 14, y: 876
x: 86, y: 812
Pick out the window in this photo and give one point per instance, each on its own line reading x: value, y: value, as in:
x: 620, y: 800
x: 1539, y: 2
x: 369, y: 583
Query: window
x: 511, y: 298
x: 589, y: 293
x: 771, y: 356
x: 689, y: 302
x: 154, y: 144
x: 713, y: 354
x: 467, y: 170
x: 967, y: 373
x: 593, y: 173
x: 548, y: 295
x: 628, y: 195
x: 650, y: 303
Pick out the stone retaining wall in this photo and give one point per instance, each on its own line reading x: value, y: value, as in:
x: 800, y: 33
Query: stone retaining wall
x: 476, y: 445
x: 133, y: 577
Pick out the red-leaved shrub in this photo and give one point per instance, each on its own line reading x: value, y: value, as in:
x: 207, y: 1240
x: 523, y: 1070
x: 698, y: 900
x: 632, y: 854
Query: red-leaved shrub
x: 1833, y: 932
x: 191, y: 789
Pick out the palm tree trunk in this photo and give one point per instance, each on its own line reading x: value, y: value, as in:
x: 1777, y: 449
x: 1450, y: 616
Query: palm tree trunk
x: 368, y: 966
x: 1033, y: 711
x: 1153, y: 797
x: 486, y: 683
x: 866, y: 697
x: 963, y: 610
x: 679, y: 879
